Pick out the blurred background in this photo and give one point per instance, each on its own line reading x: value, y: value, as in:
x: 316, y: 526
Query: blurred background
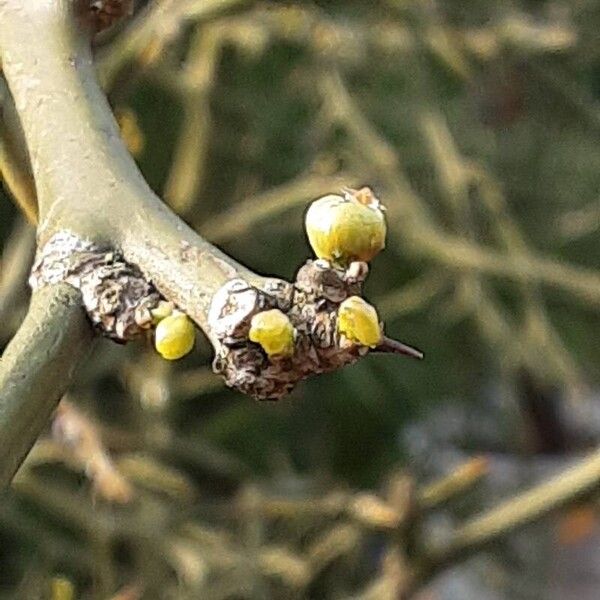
x: 477, y: 123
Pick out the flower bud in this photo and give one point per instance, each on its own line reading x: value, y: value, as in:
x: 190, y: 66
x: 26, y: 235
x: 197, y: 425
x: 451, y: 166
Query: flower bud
x: 358, y: 321
x: 347, y: 228
x: 162, y: 311
x: 274, y: 331
x: 174, y: 336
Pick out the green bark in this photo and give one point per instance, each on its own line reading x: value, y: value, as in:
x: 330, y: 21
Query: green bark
x: 36, y: 370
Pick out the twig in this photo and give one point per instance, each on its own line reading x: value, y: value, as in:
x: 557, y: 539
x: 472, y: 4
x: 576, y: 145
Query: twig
x: 389, y: 346
x: 463, y: 478
x: 17, y: 257
x: 80, y: 437
x: 159, y: 24
x: 14, y: 162
x: 188, y: 164
x: 567, y: 487
x: 415, y: 295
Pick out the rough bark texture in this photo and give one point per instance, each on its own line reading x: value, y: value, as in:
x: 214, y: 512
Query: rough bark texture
x: 116, y: 296
x: 311, y: 304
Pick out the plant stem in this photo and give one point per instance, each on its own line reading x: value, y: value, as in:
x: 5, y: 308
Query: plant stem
x: 86, y: 180
x: 565, y: 488
x: 36, y: 369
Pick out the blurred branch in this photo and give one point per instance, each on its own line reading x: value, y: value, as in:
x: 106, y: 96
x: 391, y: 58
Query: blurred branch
x: 152, y: 30
x: 17, y: 257
x: 538, y: 331
x: 129, y: 592
x: 572, y: 485
x: 243, y: 217
x: 580, y: 222
x: 14, y: 161
x: 187, y: 167
x: 415, y: 295
x: 583, y: 284
x: 570, y: 93
x: 458, y: 482
x: 53, y: 547
x: 416, y: 227
x: 457, y: 176
x: 79, y: 439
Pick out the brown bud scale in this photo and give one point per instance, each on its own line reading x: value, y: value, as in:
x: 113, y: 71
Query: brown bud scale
x: 116, y: 296
x: 311, y: 304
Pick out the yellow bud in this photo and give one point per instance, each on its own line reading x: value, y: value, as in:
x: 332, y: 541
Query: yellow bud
x: 346, y: 228
x: 162, y: 311
x: 274, y: 332
x: 174, y: 336
x: 61, y: 588
x: 358, y: 321
x: 130, y: 130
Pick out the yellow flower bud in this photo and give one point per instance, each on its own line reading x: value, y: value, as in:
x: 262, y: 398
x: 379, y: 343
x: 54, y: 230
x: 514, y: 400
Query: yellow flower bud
x: 358, y: 321
x: 346, y: 228
x: 162, y: 311
x: 174, y: 336
x: 273, y: 330
x: 61, y: 588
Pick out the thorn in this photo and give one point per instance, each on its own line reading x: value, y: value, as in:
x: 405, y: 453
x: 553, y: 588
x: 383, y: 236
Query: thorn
x: 391, y: 346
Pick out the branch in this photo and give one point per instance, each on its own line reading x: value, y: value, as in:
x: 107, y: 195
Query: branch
x: 103, y: 230
x: 36, y: 369
x: 566, y: 488
x: 14, y: 162
x: 81, y: 157
x: 16, y: 260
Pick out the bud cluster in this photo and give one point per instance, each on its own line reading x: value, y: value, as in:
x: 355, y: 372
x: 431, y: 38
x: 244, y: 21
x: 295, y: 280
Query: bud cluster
x: 266, y: 339
x: 269, y: 339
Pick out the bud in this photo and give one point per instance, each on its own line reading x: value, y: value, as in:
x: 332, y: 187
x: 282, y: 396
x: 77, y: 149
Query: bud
x: 273, y: 330
x: 174, y: 336
x: 358, y: 321
x: 347, y: 228
x: 61, y: 588
x: 162, y: 311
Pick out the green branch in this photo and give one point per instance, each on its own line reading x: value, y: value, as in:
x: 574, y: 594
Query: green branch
x: 86, y: 180
x: 36, y: 369
x: 88, y: 184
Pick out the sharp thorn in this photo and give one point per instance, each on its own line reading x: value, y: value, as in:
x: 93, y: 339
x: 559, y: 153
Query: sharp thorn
x: 390, y: 346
